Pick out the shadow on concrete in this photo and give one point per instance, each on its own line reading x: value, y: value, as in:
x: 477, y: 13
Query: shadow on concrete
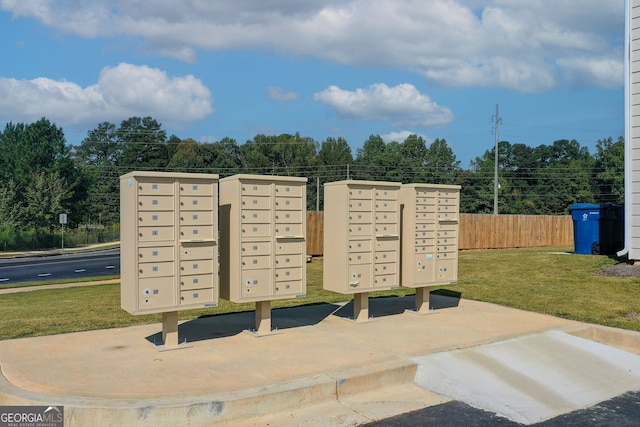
x: 226, y: 325
x: 389, y: 306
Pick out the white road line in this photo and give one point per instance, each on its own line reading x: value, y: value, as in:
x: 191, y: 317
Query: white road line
x: 110, y: 266
x: 80, y: 271
x: 44, y: 274
x: 3, y: 280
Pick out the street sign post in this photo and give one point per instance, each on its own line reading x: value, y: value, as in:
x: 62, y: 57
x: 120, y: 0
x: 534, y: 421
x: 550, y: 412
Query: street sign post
x: 63, y: 221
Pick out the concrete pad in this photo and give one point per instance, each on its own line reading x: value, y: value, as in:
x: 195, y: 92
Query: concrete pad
x: 459, y: 323
x: 358, y: 371
x: 531, y: 378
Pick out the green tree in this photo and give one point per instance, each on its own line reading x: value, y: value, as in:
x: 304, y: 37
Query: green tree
x: 44, y: 201
x: 29, y: 155
x: 38, y: 146
x: 414, y: 155
x: 100, y: 147
x: 477, y: 192
x: 96, y: 158
x: 609, y: 167
x: 143, y: 145
x: 188, y: 157
x: 257, y: 156
x: 564, y: 176
x: 371, y: 162
x: 222, y: 157
x: 442, y: 167
x: 334, y: 159
x: 334, y: 162
x: 11, y: 205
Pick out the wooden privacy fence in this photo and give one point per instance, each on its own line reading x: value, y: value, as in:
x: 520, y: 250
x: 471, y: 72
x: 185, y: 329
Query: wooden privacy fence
x: 482, y: 231
x: 514, y: 231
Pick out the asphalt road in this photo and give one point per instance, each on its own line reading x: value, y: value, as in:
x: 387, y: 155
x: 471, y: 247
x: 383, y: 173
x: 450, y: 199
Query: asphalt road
x: 60, y: 267
x: 621, y: 411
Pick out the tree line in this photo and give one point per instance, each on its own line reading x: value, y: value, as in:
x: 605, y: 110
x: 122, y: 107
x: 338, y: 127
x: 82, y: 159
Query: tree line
x: 43, y: 176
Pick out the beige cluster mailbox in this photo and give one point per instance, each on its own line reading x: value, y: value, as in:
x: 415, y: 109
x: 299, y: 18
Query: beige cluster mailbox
x: 430, y: 237
x: 380, y: 235
x: 169, y: 237
x: 262, y: 241
x: 361, y: 239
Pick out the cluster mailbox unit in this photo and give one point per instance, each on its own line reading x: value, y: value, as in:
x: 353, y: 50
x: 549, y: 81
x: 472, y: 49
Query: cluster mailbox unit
x: 361, y: 239
x: 262, y: 241
x: 429, y: 238
x: 378, y: 236
x: 169, y: 238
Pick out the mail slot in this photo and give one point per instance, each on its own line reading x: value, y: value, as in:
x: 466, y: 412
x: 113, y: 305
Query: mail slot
x: 155, y: 203
x: 289, y: 230
x: 196, y: 203
x: 155, y: 187
x: 293, y: 203
x: 256, y: 262
x: 256, y: 202
x: 288, y: 190
x: 293, y: 260
x: 155, y: 234
x: 203, y: 266
x: 198, y: 281
x: 198, y: 296
x: 250, y: 216
x: 196, y: 232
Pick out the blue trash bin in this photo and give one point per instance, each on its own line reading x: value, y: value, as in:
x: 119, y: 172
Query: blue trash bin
x: 586, y: 228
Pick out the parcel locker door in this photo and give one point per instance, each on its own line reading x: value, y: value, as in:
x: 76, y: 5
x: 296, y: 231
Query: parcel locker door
x: 447, y: 270
x: 156, y: 293
x: 424, y: 270
x: 256, y: 283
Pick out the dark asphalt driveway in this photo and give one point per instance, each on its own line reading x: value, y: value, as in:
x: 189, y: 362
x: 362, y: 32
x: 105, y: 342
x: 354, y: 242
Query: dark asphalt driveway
x: 621, y: 411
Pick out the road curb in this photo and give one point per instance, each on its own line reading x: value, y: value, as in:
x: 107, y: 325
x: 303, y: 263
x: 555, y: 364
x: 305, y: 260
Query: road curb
x: 219, y: 409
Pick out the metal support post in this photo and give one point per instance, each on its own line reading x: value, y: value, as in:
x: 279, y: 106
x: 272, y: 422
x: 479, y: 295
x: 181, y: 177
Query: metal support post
x: 170, y: 329
x: 361, y: 307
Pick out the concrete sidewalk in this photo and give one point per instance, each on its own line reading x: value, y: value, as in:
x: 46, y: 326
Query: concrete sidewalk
x: 320, y: 369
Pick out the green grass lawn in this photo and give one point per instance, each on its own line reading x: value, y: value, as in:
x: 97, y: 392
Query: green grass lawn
x: 532, y: 279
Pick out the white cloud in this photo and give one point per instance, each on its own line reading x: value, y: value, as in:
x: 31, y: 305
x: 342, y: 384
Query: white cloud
x: 523, y: 46
x: 603, y: 72
x: 121, y: 92
x: 400, y: 136
x: 280, y: 94
x: 401, y: 105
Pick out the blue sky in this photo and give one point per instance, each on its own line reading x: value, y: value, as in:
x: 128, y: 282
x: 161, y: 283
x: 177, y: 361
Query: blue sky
x: 323, y: 68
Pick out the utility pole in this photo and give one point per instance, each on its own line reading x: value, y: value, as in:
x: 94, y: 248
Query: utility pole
x: 497, y: 120
x: 318, y: 194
